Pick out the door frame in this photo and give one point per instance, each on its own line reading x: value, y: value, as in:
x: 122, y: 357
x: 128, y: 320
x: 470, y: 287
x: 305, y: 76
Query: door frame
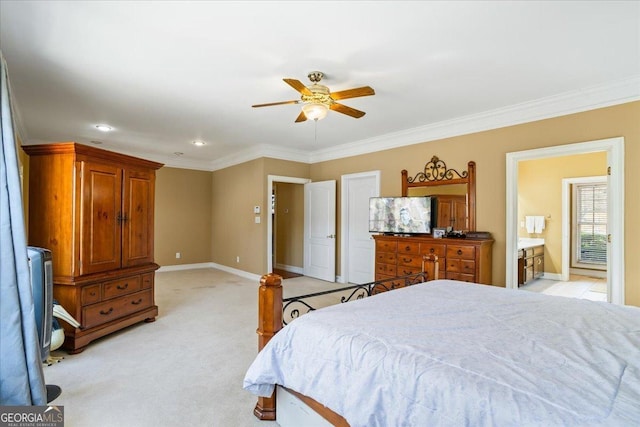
x: 270, y: 180
x: 614, y: 147
x: 344, y: 219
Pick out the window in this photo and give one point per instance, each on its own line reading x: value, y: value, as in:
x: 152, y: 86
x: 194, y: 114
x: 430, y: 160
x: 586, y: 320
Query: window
x: 590, y: 225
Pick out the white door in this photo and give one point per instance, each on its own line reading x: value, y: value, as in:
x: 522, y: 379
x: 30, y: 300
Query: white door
x: 320, y: 230
x: 358, y: 261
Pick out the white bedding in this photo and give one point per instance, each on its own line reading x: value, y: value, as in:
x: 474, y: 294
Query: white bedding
x: 446, y: 353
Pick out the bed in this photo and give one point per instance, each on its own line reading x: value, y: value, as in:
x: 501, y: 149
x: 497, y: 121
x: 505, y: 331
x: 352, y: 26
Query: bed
x: 444, y: 353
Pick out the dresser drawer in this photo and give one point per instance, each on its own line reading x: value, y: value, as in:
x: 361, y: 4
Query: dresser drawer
x: 386, y: 246
x: 405, y: 270
x: 90, y: 294
x: 408, y: 248
x: 409, y: 260
x: 120, y: 287
x: 461, y: 266
x: 104, y: 312
x: 433, y: 249
x: 458, y: 251
x: 386, y: 269
x: 386, y: 257
x: 461, y: 277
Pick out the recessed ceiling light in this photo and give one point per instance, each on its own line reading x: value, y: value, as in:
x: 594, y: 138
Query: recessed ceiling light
x: 199, y: 143
x: 104, y: 128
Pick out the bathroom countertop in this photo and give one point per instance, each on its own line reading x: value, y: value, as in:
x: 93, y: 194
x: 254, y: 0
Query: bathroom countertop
x: 529, y: 242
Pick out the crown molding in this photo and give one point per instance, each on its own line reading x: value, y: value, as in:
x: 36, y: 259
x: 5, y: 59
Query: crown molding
x: 606, y: 95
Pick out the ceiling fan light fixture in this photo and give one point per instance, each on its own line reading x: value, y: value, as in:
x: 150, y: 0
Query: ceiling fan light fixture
x: 315, y: 111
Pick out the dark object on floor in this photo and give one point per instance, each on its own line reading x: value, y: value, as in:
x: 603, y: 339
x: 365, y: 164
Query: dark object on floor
x: 53, y: 391
x: 285, y: 274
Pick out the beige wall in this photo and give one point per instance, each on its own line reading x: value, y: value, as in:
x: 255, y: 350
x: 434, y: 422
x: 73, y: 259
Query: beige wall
x: 289, y: 224
x: 236, y: 190
x: 182, y: 216
x: 540, y: 193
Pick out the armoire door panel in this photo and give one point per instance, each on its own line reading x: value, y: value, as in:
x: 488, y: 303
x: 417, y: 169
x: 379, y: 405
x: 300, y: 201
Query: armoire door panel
x: 137, y: 237
x: 100, y: 230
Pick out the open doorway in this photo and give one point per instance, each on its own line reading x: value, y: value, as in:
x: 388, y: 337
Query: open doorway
x: 272, y: 181
x: 614, y: 149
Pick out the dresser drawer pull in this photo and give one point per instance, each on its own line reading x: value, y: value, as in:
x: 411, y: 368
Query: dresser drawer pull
x: 136, y: 302
x: 407, y: 248
x: 459, y: 252
x: 93, y: 294
x: 406, y: 272
x: 122, y: 288
x: 432, y: 250
x: 407, y: 259
x: 106, y: 313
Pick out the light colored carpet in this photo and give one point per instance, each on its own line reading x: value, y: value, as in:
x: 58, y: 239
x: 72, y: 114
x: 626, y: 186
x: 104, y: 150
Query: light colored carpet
x: 186, y: 368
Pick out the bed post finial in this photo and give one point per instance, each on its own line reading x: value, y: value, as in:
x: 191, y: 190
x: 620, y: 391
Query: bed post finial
x: 269, y: 322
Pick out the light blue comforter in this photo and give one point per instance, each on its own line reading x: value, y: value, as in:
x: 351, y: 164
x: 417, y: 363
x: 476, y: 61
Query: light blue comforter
x: 446, y: 353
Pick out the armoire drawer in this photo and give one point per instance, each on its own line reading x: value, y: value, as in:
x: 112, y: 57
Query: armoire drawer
x: 106, y: 311
x: 121, y: 287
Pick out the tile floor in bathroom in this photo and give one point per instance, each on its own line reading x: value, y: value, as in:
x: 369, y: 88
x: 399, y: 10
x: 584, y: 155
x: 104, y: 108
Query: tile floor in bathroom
x: 591, y: 288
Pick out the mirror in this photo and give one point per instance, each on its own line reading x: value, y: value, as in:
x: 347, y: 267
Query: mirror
x: 436, y: 179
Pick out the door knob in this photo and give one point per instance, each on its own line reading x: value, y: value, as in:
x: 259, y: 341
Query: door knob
x: 331, y: 236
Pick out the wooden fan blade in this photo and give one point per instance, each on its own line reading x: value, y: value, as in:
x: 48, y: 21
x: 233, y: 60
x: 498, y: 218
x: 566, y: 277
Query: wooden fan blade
x: 296, y: 101
x: 301, y: 117
x: 353, y: 93
x: 297, y: 85
x: 340, y: 108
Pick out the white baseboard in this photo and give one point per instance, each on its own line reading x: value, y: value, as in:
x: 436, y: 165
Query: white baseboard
x: 235, y: 271
x: 552, y: 276
x: 185, y: 267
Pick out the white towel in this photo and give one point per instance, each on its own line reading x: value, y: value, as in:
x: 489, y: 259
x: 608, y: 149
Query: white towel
x: 529, y: 223
x: 538, y: 224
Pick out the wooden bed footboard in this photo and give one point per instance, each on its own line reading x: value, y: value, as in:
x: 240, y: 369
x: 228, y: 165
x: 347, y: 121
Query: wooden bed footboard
x: 271, y: 319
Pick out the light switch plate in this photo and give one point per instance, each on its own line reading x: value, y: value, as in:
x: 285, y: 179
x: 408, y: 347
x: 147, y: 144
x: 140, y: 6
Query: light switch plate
x: 256, y: 209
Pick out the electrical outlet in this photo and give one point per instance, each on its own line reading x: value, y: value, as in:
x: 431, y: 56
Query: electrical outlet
x: 237, y: 259
x: 178, y: 255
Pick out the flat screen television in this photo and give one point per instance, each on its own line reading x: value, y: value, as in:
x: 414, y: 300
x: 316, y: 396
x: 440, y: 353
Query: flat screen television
x: 400, y: 215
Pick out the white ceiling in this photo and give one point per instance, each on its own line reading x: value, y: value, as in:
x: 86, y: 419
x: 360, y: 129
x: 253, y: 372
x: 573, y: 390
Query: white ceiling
x: 166, y: 73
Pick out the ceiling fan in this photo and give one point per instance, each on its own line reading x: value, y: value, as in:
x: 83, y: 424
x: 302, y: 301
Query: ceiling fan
x: 318, y: 100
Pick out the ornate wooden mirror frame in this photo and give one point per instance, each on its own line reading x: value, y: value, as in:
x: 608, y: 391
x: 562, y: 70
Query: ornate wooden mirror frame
x: 436, y: 173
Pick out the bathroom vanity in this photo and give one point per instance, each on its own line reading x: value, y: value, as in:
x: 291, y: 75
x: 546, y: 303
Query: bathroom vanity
x: 530, y: 259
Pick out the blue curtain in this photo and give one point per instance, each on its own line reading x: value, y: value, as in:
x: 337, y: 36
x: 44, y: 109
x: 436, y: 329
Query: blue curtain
x: 21, y: 376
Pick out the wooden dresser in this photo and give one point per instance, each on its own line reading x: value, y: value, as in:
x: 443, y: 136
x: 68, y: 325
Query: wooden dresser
x: 94, y: 210
x: 468, y: 260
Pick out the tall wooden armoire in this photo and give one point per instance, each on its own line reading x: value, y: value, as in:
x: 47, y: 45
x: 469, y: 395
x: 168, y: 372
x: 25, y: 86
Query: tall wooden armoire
x: 94, y: 210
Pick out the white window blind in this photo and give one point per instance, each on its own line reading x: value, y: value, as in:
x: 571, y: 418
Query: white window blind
x: 591, y: 215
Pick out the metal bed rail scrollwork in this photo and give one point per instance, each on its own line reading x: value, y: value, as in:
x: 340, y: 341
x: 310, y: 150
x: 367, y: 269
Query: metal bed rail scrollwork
x: 294, y: 307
